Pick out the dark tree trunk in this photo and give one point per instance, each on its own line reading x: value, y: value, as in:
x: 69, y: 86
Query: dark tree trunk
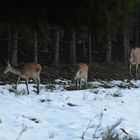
x: 126, y: 47
x: 9, y: 42
x: 137, y: 35
x: 90, y: 51
x: 35, y: 47
x: 84, y: 47
x: 15, y: 48
x: 73, y: 47
x: 56, y: 52
x: 109, y: 49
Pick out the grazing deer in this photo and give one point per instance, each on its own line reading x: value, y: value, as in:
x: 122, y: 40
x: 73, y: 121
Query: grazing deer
x: 82, y: 74
x: 26, y: 71
x: 134, y: 60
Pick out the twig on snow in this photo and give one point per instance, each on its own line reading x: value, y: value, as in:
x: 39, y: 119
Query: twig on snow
x: 24, y: 128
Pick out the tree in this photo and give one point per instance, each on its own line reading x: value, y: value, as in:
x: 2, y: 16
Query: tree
x: 56, y: 51
x: 35, y: 47
x: 73, y: 47
x: 126, y: 47
x: 103, y: 18
x: 15, y: 48
x: 109, y: 48
x: 90, y: 50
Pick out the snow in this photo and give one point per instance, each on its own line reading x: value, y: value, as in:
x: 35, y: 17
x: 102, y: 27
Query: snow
x: 61, y: 114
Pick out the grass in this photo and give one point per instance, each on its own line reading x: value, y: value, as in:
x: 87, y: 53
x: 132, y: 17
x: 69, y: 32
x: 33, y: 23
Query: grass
x: 109, y: 133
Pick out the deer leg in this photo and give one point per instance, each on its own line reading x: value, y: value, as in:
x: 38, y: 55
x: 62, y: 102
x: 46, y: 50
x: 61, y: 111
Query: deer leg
x: 38, y: 82
x: 27, y: 85
x: 130, y: 67
x: 86, y: 81
x: 77, y: 86
x: 75, y: 82
x: 137, y: 71
x: 17, y: 82
x: 80, y: 81
x: 35, y: 80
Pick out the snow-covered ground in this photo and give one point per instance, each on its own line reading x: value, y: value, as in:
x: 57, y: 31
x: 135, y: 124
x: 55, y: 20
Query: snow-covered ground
x: 62, y: 114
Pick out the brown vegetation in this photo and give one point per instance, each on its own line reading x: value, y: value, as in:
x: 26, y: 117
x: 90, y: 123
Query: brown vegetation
x: 109, y: 71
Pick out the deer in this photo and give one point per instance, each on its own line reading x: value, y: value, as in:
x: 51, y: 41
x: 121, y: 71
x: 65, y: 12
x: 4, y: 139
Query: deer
x: 134, y: 60
x: 25, y: 71
x: 81, y: 74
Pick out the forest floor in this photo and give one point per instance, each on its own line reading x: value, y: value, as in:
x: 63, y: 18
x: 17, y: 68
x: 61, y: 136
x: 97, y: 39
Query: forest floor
x: 103, y: 71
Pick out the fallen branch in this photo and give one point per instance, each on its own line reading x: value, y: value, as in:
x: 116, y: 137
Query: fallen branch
x: 24, y: 128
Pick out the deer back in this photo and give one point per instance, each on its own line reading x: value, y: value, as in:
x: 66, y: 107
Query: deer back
x: 30, y: 69
x: 83, y: 71
x: 135, y: 56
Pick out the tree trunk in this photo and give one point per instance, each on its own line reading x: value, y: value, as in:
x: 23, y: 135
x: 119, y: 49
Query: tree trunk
x: 84, y: 47
x: 126, y: 47
x: 56, y: 52
x: 137, y: 34
x: 90, y: 51
x: 9, y: 42
x: 73, y: 47
x: 35, y: 47
x: 15, y: 48
x: 137, y: 39
x: 108, y: 53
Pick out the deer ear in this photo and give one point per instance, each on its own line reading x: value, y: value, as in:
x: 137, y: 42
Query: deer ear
x: 7, y: 62
x: 8, y: 65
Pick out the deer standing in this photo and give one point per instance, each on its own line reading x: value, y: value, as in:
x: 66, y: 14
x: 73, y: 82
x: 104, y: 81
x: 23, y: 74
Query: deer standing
x: 26, y: 71
x: 134, y: 60
x: 82, y: 74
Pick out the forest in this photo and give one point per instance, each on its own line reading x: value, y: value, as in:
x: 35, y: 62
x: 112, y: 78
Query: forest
x: 64, y: 33
x: 43, y: 94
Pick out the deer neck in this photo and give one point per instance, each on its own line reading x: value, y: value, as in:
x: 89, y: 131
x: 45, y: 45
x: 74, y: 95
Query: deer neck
x: 15, y: 70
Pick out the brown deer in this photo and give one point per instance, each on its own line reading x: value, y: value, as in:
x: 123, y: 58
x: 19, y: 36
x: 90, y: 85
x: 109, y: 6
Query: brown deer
x: 81, y: 74
x: 134, y: 60
x: 26, y: 71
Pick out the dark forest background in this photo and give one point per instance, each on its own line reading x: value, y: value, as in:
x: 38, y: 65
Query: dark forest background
x: 60, y: 34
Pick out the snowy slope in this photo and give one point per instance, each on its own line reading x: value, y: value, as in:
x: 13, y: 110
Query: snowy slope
x: 60, y: 114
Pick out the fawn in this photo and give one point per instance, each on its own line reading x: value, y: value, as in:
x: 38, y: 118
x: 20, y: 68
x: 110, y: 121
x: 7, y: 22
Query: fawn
x: 26, y: 71
x: 82, y: 73
x: 134, y: 60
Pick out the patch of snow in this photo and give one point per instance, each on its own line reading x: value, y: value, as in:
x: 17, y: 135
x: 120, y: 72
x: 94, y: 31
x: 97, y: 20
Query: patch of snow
x: 64, y: 115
